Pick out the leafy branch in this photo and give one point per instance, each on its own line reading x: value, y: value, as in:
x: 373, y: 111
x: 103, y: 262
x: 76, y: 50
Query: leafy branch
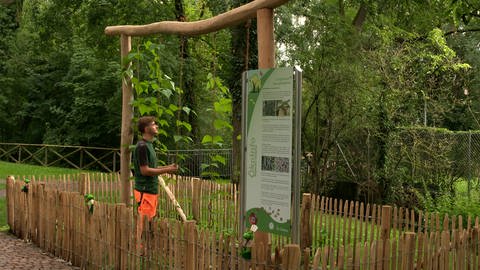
x: 156, y: 93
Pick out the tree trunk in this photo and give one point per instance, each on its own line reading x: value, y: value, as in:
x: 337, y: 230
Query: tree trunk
x: 360, y: 17
x: 186, y: 82
x: 244, y: 46
x: 341, y: 8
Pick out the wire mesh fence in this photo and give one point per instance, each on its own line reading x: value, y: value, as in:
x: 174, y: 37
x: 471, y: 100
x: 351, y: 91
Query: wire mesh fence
x: 204, y: 163
x: 435, y: 156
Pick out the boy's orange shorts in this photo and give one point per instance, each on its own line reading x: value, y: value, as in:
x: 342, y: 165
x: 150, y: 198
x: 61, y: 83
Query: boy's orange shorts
x: 147, y: 204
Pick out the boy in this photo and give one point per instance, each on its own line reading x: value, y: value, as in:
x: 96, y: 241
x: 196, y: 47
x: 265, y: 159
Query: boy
x: 146, y: 171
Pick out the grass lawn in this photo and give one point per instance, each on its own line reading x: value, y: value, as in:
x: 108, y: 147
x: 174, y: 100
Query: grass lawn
x: 7, y: 168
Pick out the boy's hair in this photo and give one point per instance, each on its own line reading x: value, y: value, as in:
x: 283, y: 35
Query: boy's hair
x: 144, y: 122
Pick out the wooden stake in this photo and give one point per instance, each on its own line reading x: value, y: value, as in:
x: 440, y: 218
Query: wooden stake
x: 291, y: 257
x: 190, y: 250
x: 172, y: 198
x: 127, y: 115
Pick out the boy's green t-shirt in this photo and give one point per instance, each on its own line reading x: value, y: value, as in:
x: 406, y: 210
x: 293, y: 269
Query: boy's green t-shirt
x: 144, y: 154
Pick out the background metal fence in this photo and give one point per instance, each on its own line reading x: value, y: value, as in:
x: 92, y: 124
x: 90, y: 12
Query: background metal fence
x: 76, y: 157
x: 195, y: 162
x: 202, y: 162
x: 421, y: 153
x: 434, y: 153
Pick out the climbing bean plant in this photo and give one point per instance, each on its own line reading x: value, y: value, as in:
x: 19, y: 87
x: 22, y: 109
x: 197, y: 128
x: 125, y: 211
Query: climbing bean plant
x: 221, y: 114
x: 156, y: 94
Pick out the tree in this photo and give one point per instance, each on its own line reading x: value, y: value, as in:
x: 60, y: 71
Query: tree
x: 8, y: 26
x: 369, y: 67
x: 242, y: 58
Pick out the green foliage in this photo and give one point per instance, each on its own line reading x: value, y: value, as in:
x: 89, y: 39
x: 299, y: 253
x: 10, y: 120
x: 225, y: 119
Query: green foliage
x: 459, y: 203
x: 222, y: 127
x: 8, y: 25
x: 156, y: 94
x: 363, y: 79
x: 63, y: 72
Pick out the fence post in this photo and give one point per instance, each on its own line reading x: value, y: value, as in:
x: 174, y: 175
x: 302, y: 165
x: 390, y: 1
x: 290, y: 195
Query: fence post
x: 291, y: 257
x: 469, y: 186
x: 84, y: 184
x: 409, y: 249
x: 306, y: 226
x: 386, y: 222
x: 196, y: 188
x: 10, y: 201
x: 191, y: 237
x: 385, y: 234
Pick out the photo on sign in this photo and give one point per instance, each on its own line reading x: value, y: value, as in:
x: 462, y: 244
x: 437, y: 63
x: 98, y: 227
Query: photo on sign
x: 275, y: 164
x: 276, y: 107
x: 255, y: 83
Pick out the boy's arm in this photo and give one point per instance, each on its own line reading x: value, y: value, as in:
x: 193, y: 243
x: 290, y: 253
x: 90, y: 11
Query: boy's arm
x: 147, y: 171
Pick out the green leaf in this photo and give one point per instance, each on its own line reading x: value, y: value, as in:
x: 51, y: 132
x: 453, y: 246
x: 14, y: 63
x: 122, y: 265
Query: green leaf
x: 163, y: 123
x: 135, y: 80
x: 169, y: 112
x: 219, y: 124
x: 220, y: 159
x: 186, y: 125
x: 155, y: 86
x: 166, y: 92
x: 217, y: 139
x: 144, y: 109
x: 223, y: 105
x: 187, y: 110
x: 162, y: 132
x: 207, y: 139
x: 177, y: 138
x: 173, y: 107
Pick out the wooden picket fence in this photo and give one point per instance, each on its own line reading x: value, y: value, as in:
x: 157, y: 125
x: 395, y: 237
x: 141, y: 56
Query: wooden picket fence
x: 335, y: 234
x: 60, y: 223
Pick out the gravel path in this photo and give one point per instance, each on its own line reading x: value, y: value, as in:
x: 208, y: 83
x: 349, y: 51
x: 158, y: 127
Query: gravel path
x: 16, y: 254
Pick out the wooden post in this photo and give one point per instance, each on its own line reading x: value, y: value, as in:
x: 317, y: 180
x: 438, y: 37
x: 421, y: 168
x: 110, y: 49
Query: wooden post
x: 306, y: 259
x: 127, y: 115
x: 172, y: 198
x: 10, y: 201
x: 385, y: 234
x: 196, y: 188
x: 84, y: 184
x: 306, y: 226
x: 291, y: 257
x: 409, y: 250
x: 265, y: 60
x: 191, y: 237
x: 386, y: 222
x: 266, y: 45
x: 42, y: 216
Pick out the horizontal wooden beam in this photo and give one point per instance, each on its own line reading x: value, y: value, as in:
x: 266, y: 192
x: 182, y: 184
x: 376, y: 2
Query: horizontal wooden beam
x: 224, y: 20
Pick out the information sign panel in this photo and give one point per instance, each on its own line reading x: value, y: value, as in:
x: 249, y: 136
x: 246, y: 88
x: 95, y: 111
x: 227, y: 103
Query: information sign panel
x: 268, y: 125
